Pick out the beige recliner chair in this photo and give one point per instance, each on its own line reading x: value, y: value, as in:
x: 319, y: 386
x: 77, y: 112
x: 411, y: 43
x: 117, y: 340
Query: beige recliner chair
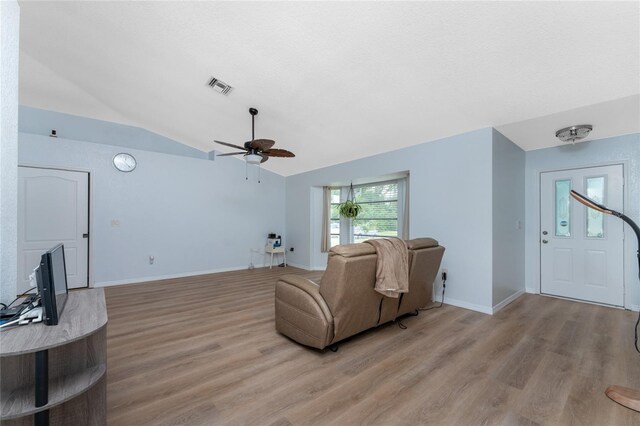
x: 345, y: 303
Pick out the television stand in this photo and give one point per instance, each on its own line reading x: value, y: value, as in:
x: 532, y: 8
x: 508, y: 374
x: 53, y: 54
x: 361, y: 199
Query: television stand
x: 56, y: 374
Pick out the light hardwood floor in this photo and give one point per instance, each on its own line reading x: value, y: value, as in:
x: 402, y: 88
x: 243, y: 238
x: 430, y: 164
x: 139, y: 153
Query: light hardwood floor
x: 204, y: 350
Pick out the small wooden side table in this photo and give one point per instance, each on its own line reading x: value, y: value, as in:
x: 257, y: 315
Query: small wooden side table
x: 276, y: 250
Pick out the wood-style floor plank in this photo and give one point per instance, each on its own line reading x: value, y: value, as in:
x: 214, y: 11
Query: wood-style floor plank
x: 204, y: 351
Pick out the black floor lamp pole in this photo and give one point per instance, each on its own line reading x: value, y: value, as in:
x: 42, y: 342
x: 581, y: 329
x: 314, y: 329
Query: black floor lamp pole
x: 627, y: 397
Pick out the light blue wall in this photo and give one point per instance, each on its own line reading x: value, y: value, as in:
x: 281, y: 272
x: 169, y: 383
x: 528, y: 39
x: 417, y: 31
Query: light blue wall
x: 41, y: 122
x: 450, y: 190
x: 508, y: 218
x: 194, y: 215
x: 9, y: 54
x: 621, y: 149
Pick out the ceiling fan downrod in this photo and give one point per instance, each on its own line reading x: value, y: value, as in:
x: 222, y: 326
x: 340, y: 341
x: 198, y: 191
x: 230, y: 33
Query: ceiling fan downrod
x: 253, y: 113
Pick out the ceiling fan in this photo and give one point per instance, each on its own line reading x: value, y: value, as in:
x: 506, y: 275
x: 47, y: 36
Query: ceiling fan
x: 256, y: 151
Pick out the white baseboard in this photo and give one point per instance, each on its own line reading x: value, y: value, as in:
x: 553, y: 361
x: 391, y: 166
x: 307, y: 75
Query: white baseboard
x: 506, y: 301
x: 297, y: 265
x: 190, y: 274
x: 465, y: 305
x: 635, y: 308
x: 307, y: 268
x: 166, y: 277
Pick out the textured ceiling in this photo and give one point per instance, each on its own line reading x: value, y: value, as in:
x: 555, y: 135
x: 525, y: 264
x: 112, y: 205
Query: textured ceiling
x: 333, y: 81
x: 611, y: 118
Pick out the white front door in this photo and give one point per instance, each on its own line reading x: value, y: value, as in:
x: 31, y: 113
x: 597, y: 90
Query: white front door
x: 53, y: 207
x: 581, y: 250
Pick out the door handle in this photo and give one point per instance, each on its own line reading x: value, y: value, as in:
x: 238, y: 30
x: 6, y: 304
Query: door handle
x: 544, y: 241
x: 544, y: 232
x: 85, y: 235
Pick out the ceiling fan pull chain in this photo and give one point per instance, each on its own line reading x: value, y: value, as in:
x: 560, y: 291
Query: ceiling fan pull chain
x: 246, y: 171
x: 259, y: 173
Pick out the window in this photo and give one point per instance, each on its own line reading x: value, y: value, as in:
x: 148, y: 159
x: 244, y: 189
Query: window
x: 382, y: 212
x: 595, y: 219
x: 563, y: 208
x: 379, y: 215
x: 335, y: 217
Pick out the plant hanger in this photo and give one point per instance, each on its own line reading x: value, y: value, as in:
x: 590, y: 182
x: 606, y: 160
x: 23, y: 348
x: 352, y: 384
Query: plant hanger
x: 350, y: 209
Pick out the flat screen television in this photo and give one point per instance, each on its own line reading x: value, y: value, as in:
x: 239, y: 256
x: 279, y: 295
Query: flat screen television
x: 51, y: 278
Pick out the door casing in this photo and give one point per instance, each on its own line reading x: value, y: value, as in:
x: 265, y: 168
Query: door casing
x: 536, y: 219
x: 90, y: 246
x: 576, y: 246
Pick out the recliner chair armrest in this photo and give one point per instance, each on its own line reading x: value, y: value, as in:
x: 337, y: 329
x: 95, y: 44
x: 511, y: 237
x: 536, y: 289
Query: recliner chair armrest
x: 301, y: 312
x: 312, y: 289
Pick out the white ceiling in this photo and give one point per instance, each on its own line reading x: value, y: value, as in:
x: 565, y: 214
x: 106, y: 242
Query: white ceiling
x: 333, y: 81
x: 611, y: 118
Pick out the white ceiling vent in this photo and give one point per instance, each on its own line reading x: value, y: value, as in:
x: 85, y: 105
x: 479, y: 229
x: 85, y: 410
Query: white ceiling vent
x: 220, y: 86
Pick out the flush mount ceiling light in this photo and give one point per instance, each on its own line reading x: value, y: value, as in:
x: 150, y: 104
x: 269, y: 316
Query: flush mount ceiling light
x: 574, y: 133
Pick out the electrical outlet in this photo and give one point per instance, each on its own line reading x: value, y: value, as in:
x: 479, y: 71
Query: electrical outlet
x: 291, y: 249
x: 151, y: 260
x: 444, y: 274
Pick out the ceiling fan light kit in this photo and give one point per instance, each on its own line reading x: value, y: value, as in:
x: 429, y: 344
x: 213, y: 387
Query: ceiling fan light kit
x: 574, y: 133
x: 253, y: 158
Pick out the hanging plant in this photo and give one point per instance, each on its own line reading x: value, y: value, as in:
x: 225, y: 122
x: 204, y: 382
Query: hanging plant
x: 350, y: 209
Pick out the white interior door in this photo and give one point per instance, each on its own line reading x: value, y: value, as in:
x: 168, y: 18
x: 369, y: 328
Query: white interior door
x: 581, y: 250
x: 53, y: 207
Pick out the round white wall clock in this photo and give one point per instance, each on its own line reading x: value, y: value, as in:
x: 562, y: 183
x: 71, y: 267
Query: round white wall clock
x: 124, y: 162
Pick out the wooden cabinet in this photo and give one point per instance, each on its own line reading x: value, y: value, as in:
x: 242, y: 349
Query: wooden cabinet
x: 75, y: 352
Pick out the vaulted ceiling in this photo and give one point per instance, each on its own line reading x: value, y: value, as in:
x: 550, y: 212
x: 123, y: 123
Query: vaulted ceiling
x: 333, y: 81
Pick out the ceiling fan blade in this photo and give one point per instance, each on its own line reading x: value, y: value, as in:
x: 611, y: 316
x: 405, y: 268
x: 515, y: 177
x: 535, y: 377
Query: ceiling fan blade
x: 261, y: 144
x: 279, y: 153
x: 231, y: 153
x: 230, y: 144
x: 264, y: 158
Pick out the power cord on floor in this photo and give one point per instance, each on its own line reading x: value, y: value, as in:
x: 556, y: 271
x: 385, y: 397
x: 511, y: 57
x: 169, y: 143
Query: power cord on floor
x: 636, y: 341
x: 444, y: 286
x: 638, y: 320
